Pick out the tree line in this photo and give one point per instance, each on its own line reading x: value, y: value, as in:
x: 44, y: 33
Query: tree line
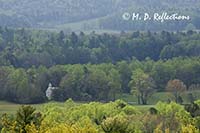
x: 100, y: 82
x: 27, y: 48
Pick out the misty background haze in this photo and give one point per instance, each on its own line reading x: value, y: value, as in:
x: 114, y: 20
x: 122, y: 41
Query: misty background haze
x: 77, y: 15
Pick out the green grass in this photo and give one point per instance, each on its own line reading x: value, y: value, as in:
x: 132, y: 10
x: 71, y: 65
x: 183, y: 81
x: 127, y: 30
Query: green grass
x: 11, y: 108
x: 159, y: 96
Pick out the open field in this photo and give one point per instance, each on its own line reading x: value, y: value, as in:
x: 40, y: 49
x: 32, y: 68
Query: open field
x: 11, y: 108
x: 6, y: 107
x: 159, y: 96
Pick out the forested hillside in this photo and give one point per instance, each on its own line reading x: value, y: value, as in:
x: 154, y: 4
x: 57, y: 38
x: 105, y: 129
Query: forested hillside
x: 182, y: 7
x: 48, y: 13
x: 107, y: 14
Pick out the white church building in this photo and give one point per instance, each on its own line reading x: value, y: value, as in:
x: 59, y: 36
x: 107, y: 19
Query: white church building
x: 49, y: 91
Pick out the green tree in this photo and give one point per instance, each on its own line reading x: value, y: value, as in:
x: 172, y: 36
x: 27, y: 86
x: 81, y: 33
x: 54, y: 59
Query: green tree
x: 97, y: 84
x: 71, y: 83
x: 114, y: 83
x: 18, y: 86
x: 24, y: 117
x: 142, y: 85
x: 125, y: 75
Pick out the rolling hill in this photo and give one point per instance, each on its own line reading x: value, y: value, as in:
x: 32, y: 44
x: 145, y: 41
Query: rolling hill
x: 85, y: 15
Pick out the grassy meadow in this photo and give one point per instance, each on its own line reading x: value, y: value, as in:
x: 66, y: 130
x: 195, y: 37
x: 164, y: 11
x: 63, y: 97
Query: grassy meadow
x: 11, y: 108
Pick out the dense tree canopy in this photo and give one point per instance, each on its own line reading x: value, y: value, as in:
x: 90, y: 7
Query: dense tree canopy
x: 92, y: 66
x: 95, y: 82
x: 25, y: 48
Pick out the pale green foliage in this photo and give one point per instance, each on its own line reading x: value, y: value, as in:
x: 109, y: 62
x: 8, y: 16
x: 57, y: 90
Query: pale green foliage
x: 174, y: 116
x: 142, y: 85
x: 116, y: 124
x: 197, y: 102
x: 82, y: 115
x: 25, y: 116
x: 95, y: 117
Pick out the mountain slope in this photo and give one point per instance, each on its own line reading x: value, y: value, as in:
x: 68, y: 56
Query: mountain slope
x: 44, y: 13
x: 93, y: 14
